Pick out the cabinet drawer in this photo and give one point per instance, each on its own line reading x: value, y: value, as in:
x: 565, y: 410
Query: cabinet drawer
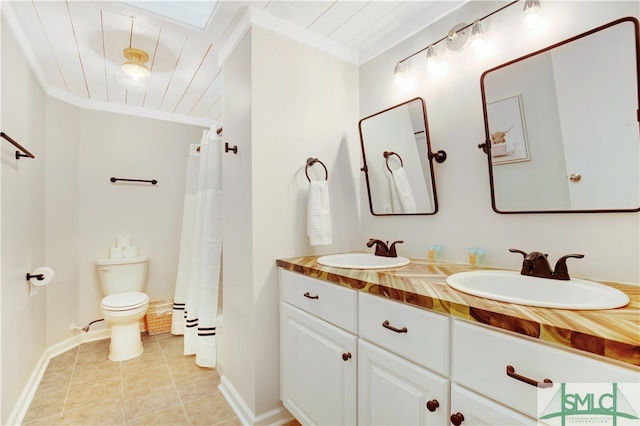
x: 477, y: 410
x: 420, y: 336
x: 481, y: 356
x: 333, y: 303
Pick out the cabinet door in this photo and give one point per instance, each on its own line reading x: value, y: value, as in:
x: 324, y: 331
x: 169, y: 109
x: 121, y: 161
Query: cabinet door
x: 317, y: 369
x: 477, y: 410
x: 394, y: 391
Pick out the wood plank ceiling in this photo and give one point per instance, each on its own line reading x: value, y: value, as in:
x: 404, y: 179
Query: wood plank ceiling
x: 76, y: 47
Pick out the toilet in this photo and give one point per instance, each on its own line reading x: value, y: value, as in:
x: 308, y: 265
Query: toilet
x: 123, y: 281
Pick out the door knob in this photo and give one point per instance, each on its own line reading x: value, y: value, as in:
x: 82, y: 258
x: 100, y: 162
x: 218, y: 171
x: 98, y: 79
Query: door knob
x: 432, y: 405
x: 346, y: 356
x: 575, y: 177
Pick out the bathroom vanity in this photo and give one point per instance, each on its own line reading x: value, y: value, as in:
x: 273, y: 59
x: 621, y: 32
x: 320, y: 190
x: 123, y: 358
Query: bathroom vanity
x: 399, y: 346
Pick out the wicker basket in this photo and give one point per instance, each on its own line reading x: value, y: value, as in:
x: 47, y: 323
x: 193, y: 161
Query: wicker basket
x: 158, y: 317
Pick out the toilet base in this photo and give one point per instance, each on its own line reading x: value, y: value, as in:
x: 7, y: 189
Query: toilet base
x: 126, y: 342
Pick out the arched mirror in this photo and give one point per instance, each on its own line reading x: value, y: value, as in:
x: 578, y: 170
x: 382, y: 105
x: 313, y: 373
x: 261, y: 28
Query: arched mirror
x: 561, y: 125
x: 398, y: 163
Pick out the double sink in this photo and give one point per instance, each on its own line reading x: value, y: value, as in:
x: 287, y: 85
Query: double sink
x: 504, y: 286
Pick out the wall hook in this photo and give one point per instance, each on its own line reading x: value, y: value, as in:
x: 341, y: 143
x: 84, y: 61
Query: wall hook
x: 39, y: 277
x: 439, y: 156
x: 228, y: 148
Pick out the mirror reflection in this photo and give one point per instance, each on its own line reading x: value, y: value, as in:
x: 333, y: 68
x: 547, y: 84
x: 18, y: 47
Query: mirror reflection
x: 562, y: 125
x: 397, y: 164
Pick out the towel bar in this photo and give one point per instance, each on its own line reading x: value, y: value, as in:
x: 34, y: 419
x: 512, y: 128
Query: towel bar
x: 310, y: 162
x: 17, y: 145
x: 152, y: 182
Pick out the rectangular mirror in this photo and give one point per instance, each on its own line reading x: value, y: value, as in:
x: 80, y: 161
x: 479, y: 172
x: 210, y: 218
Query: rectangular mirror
x: 398, y: 161
x: 561, y: 125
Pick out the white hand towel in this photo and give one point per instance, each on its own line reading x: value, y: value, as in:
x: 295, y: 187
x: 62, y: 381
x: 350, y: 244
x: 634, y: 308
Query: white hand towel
x: 403, y: 189
x: 319, y: 214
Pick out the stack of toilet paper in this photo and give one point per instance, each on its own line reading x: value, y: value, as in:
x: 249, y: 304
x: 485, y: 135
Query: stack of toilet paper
x: 123, y: 248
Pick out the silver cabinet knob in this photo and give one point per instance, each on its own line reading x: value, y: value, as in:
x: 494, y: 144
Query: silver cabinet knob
x: 575, y: 177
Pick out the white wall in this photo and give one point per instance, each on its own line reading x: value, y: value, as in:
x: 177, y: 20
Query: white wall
x: 135, y: 148
x: 23, y: 224
x: 61, y: 220
x: 610, y: 242
x: 284, y: 102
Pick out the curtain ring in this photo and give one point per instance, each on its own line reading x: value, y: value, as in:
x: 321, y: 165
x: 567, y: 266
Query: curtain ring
x: 311, y: 162
x: 388, y: 154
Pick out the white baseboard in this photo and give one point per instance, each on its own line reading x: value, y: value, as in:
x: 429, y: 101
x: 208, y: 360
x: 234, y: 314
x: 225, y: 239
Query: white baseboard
x: 22, y: 405
x: 275, y: 417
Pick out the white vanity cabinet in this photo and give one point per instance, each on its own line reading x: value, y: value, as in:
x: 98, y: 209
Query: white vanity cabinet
x: 318, y: 368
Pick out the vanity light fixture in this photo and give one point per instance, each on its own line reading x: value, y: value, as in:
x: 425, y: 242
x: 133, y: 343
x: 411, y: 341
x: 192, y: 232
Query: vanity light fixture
x: 453, y: 38
x: 432, y: 65
x: 531, y: 14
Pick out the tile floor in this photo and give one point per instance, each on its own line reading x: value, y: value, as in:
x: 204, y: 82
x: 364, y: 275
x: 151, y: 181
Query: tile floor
x: 160, y: 387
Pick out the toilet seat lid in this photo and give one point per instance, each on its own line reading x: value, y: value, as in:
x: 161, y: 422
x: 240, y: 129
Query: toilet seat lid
x: 124, y: 301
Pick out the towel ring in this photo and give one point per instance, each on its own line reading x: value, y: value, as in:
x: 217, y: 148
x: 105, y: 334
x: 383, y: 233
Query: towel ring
x: 311, y: 162
x: 388, y: 154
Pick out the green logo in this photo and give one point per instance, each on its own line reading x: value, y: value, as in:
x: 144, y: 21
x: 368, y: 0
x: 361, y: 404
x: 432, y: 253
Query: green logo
x: 593, y: 403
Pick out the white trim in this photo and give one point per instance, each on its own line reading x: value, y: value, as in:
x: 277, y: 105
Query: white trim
x: 97, y: 105
x: 277, y: 416
x: 22, y: 405
x: 261, y: 19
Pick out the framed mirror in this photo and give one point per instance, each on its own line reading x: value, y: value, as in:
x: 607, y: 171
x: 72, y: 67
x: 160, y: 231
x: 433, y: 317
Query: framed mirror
x: 398, y: 163
x: 561, y: 125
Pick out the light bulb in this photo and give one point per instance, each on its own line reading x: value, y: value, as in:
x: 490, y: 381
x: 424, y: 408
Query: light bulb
x: 478, y: 44
x: 432, y: 64
x: 531, y: 15
x: 398, y: 75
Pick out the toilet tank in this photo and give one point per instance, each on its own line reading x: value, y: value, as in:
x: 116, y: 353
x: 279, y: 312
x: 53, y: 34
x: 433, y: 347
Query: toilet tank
x: 122, y: 275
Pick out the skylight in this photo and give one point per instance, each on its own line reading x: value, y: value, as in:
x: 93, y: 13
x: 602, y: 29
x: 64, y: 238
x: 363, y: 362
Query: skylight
x: 195, y: 14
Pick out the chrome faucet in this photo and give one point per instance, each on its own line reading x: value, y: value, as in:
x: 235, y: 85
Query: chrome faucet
x: 535, y: 264
x: 382, y: 248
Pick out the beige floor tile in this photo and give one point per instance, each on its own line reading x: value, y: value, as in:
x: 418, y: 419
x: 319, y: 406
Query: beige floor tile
x: 208, y: 410
x: 64, y: 361
x: 196, y: 387
x: 100, y: 394
x: 183, y: 368
x: 170, y: 343
x: 44, y: 421
x: 46, y: 405
x: 171, y: 416
x: 97, y: 345
x: 88, y: 373
x: 142, y: 401
x: 93, y: 357
x: 85, y: 416
x: 152, y: 376
x: 54, y: 381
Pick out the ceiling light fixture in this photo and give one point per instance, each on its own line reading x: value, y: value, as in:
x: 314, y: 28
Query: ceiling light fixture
x: 531, y: 15
x: 135, y: 66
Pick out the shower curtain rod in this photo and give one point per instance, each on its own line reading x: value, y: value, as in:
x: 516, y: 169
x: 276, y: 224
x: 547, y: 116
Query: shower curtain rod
x: 17, y: 145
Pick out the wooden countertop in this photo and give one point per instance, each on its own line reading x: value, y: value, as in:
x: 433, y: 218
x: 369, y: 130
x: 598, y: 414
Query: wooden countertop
x: 612, y: 333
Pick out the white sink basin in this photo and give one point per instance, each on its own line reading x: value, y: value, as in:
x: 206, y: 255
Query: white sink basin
x: 510, y: 286
x: 362, y: 261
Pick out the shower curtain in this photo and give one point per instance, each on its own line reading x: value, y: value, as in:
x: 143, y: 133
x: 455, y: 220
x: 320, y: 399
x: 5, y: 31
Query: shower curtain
x: 198, y: 282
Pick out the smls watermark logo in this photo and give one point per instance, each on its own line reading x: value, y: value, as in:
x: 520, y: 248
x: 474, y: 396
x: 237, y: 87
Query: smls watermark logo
x: 589, y: 404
